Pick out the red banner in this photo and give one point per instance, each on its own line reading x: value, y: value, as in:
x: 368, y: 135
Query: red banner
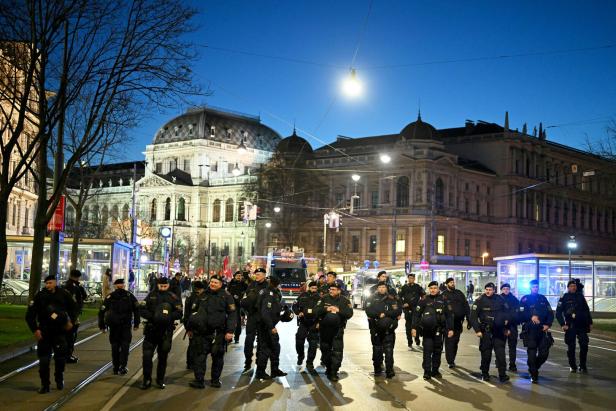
x: 57, y: 220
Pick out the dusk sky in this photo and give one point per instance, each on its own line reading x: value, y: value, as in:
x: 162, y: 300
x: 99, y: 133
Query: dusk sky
x: 444, y: 55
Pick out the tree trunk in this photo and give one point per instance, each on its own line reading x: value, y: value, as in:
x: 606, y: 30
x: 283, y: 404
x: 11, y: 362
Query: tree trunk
x: 40, y: 227
x: 3, y: 244
x: 76, y: 238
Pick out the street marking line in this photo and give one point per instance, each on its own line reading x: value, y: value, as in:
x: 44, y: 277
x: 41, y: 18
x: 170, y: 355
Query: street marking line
x: 120, y: 393
x: 591, y: 337
x: 35, y: 363
x: 478, y: 379
x: 285, y: 383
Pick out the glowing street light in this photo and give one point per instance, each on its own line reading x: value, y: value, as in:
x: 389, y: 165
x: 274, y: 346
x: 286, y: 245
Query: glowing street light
x: 385, y: 158
x: 571, y: 245
x: 351, y: 86
x: 356, y: 177
x: 236, y: 170
x: 483, y: 257
x: 276, y: 209
x: 268, y: 225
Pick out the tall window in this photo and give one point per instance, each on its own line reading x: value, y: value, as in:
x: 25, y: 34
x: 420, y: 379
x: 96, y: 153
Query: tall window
x: 355, y: 244
x: 440, y: 244
x: 467, y: 248
x: 105, y: 215
x: 216, y: 211
x: 229, y: 210
x: 400, y: 243
x: 187, y: 164
x: 168, y: 209
x: 375, y: 199
x: 70, y: 215
x: 95, y: 215
x: 240, y: 209
x: 440, y: 194
x: 372, y: 245
x: 402, y: 192
x: 114, y: 212
x: 182, y: 209
x: 153, y: 210
x: 125, y: 210
x: 85, y: 213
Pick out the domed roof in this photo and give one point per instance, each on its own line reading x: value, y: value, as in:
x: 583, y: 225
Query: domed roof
x: 294, y: 144
x: 418, y: 130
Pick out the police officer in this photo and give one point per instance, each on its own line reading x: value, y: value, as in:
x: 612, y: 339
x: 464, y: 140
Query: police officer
x: 435, y: 320
x: 489, y: 318
x: 160, y: 309
x: 410, y: 295
x: 537, y: 317
x: 458, y: 305
x: 573, y: 315
x: 210, y: 328
x: 383, y: 277
x: 269, y: 342
x: 332, y: 279
x: 79, y: 295
x: 249, y: 304
x: 383, y: 311
x: 512, y: 338
x: 190, y: 306
x: 237, y: 288
x: 333, y: 311
x: 305, y: 309
x: 175, y: 285
x: 50, y: 317
x: 118, y: 312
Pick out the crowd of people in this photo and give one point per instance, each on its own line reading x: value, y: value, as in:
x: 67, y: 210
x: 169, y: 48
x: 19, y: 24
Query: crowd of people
x: 214, y: 313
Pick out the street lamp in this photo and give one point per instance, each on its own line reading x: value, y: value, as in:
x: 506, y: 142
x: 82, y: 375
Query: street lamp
x: 385, y: 158
x: 268, y: 225
x: 483, y: 257
x: 277, y: 209
x: 356, y: 177
x: 571, y: 245
x: 165, y: 232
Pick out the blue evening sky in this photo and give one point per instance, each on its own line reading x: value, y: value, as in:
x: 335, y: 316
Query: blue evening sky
x: 575, y: 90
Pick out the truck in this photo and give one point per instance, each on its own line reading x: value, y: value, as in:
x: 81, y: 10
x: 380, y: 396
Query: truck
x: 291, y: 268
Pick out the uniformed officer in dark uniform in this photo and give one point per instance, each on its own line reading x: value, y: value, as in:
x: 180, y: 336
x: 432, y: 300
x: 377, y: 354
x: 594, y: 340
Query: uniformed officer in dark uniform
x: 435, y: 320
x: 383, y: 277
x: 383, y: 311
x: 333, y: 311
x: 489, y: 318
x: 190, y: 306
x: 175, y: 285
x: 160, y: 309
x: 458, y: 305
x: 305, y: 309
x: 537, y: 317
x: 410, y: 294
x: 119, y: 311
x: 50, y: 317
x: 512, y: 339
x: 210, y: 327
x: 237, y: 288
x: 79, y: 295
x: 573, y: 315
x: 269, y: 342
x: 249, y: 304
x: 332, y: 279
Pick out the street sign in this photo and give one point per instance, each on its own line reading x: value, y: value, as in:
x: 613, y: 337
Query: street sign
x: 61, y: 236
x: 176, y: 265
x: 19, y: 259
x: 424, y: 265
x: 407, y: 267
x: 57, y: 220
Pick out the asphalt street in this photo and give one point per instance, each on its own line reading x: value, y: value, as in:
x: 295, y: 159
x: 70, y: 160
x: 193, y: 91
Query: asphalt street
x: 357, y: 389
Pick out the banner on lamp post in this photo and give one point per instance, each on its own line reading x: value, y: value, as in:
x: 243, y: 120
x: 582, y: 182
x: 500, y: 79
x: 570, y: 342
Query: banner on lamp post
x: 57, y: 220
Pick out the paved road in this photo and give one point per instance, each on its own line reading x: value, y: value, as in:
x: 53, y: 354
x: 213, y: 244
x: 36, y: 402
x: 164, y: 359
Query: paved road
x: 357, y: 390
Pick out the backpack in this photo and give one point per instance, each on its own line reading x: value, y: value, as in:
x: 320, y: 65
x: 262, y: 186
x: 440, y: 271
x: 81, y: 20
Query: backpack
x: 119, y: 311
x: 431, y: 319
x: 197, y: 321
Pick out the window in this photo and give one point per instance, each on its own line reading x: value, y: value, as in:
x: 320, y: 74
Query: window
x: 240, y: 209
x: 440, y: 244
x: 187, y: 165
x: 229, y: 133
x: 95, y: 214
x: 229, y: 210
x: 574, y: 215
x: 14, y: 214
x: 216, y: 211
x: 240, y: 249
x: 402, y: 192
x: 467, y: 248
x: 466, y: 205
x: 225, y: 249
x: 212, y: 131
x: 478, y: 247
x: 153, y: 210
x: 159, y: 168
x: 356, y: 203
x: 374, y: 199
x: 488, y: 209
x: 355, y: 244
x: 168, y: 209
x: 440, y: 194
x: 173, y: 164
x: 386, y: 197
x: 105, y: 215
x: 176, y: 131
x: 338, y: 198
x: 214, y: 250
x: 372, y: 245
x: 114, y: 212
x: 477, y: 207
x: 400, y: 243
x: 338, y: 243
x: 583, y: 217
x: 488, y: 247
x: 125, y: 210
x: 70, y: 215
x: 214, y: 167
x: 182, y: 210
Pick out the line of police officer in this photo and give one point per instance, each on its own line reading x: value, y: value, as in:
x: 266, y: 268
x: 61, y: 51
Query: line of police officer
x: 211, y: 322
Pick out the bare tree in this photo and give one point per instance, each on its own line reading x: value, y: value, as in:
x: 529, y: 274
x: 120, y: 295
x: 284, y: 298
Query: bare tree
x: 105, y: 55
x: 605, y: 147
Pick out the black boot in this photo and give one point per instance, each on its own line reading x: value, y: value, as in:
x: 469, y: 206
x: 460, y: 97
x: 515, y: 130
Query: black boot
x: 197, y: 384
x: 146, y: 384
x: 44, y: 389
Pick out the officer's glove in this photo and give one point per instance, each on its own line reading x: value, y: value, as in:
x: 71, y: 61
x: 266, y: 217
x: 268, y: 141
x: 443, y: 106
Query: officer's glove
x: 468, y: 326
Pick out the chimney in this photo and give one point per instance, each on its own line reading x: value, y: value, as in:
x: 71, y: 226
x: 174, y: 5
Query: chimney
x: 506, y: 121
x: 524, y: 129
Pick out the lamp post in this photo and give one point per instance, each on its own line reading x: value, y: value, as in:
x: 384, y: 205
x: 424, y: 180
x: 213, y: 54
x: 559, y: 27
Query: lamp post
x: 483, y: 257
x: 165, y: 232
x: 571, y: 245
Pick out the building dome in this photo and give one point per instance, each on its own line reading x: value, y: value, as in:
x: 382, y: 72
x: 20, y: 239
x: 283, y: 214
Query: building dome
x: 218, y: 125
x: 418, y: 130
x: 294, y: 144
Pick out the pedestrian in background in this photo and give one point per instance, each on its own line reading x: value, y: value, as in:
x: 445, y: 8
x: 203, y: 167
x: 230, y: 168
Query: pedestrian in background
x: 106, y: 283
x: 79, y: 294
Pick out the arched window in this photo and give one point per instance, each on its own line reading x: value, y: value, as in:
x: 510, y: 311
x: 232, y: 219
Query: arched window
x: 114, y: 212
x: 85, y: 213
x: 402, y: 192
x: 125, y: 210
x: 70, y: 215
x: 153, y: 206
x: 182, y: 210
x: 104, y: 215
x: 229, y: 210
x: 216, y: 211
x: 240, y: 208
x: 95, y: 215
x: 439, y: 189
x: 168, y: 209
